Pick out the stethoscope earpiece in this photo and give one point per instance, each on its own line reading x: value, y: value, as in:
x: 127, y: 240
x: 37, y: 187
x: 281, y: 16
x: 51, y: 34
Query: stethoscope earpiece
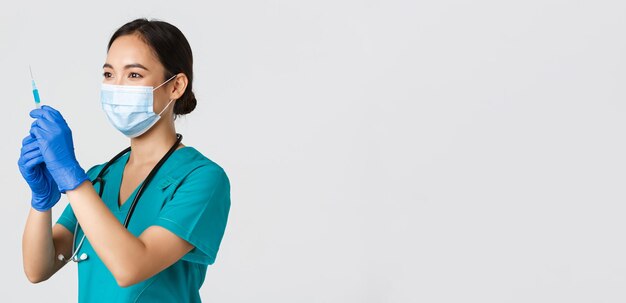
x: 82, y: 257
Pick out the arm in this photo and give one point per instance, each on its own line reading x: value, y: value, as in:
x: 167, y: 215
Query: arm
x: 130, y: 259
x: 41, y: 243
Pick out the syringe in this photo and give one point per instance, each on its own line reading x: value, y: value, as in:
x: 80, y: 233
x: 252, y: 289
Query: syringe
x: 35, y: 90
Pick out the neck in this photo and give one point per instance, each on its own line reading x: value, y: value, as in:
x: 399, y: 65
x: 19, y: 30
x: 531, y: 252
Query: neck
x: 152, y: 145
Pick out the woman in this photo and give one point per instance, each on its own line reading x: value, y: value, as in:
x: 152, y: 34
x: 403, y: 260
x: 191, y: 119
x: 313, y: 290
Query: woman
x: 175, y: 227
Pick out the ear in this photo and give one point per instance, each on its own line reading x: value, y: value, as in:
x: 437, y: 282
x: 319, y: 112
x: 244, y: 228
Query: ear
x: 179, y: 86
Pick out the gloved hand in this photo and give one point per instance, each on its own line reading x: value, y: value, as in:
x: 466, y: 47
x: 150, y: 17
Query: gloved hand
x: 57, y: 148
x: 45, y: 193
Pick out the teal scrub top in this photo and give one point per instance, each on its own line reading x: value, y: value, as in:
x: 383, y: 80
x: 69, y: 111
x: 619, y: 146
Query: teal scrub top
x: 189, y: 196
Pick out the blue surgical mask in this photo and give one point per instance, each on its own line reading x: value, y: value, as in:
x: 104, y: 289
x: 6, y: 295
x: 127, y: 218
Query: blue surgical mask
x: 130, y: 108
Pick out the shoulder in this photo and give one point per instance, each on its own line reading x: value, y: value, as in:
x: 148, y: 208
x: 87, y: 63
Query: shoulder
x: 189, y: 164
x: 185, y: 163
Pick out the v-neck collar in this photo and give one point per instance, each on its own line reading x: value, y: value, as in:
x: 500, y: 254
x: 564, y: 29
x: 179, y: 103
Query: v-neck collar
x: 118, y: 184
x: 119, y: 174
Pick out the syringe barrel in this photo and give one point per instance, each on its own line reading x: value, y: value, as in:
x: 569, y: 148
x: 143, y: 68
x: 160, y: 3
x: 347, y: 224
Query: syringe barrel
x: 36, y: 95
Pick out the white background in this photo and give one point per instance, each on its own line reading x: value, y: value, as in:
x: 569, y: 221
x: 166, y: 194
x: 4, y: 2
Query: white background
x: 378, y: 151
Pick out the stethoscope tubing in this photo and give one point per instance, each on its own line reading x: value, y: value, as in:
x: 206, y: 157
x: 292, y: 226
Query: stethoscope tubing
x: 143, y: 185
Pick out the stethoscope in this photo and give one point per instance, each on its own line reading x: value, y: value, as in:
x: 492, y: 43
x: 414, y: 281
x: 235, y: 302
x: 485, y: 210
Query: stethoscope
x: 99, y: 178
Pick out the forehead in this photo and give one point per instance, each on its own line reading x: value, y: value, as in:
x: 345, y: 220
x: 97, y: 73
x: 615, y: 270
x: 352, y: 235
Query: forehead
x: 130, y: 49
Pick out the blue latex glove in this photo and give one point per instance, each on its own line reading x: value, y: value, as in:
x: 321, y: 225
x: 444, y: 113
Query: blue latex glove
x: 45, y: 193
x: 57, y: 148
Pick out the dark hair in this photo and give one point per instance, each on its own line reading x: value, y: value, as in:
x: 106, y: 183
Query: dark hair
x: 173, y: 50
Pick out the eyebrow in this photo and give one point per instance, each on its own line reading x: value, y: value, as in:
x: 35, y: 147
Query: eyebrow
x: 127, y: 66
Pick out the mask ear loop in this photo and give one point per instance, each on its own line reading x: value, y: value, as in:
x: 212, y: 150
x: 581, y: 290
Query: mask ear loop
x: 168, y: 80
x: 168, y: 104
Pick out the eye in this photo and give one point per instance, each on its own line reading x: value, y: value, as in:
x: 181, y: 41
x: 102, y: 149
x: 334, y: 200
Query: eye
x: 134, y: 75
x: 106, y: 75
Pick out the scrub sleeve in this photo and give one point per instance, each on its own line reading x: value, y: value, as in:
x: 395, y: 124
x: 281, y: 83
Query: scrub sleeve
x: 198, y: 212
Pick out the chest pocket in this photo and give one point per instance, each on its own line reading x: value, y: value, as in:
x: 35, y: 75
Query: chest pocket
x: 166, y: 182
x: 156, y: 196
x: 173, y: 179
x: 168, y: 186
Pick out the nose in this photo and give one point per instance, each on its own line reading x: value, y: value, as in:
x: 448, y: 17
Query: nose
x: 118, y: 81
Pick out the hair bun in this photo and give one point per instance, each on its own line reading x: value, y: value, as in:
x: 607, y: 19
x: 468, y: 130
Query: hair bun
x: 186, y: 104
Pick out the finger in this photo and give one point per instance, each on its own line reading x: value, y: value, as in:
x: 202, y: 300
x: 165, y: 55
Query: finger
x: 38, y: 132
x: 29, y: 147
x: 31, y: 153
x: 28, y: 139
x: 30, y: 156
x: 53, y: 112
x: 47, y: 124
x: 33, y: 162
x: 40, y: 122
x: 39, y: 113
x: 30, y: 159
x: 42, y: 129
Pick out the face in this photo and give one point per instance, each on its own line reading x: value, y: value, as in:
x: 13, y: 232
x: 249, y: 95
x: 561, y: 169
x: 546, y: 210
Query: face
x: 130, y: 61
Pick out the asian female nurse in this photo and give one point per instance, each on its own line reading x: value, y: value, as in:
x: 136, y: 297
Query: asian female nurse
x: 182, y: 198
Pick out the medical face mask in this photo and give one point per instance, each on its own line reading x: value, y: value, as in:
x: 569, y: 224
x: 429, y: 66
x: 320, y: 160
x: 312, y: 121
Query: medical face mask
x: 130, y: 108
